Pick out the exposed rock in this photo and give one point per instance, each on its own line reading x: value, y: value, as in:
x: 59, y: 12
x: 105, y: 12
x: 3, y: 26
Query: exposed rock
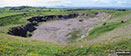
x: 84, y: 14
x: 49, y: 17
x: 60, y: 17
x: 61, y: 30
x: 37, y: 18
x: 121, y: 9
x: 18, y: 31
x: 55, y: 17
x: 30, y: 27
x: 81, y: 20
x: 96, y: 13
x: 22, y: 30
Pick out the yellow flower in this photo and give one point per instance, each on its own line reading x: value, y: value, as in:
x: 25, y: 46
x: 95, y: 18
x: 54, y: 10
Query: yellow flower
x: 34, y: 54
x: 98, y: 46
x: 106, y: 51
x: 0, y: 48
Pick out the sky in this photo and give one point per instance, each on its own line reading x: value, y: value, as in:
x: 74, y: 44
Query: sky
x: 67, y: 3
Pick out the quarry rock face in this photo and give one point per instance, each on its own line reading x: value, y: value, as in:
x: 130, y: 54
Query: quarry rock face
x: 18, y: 31
x: 30, y: 27
x: 22, y: 30
x: 37, y: 18
x: 59, y: 30
x: 55, y: 17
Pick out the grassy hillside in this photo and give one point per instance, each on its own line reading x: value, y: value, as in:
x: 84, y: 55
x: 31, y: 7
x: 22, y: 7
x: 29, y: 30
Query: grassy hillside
x: 106, y: 28
x: 16, y: 46
x: 106, y: 38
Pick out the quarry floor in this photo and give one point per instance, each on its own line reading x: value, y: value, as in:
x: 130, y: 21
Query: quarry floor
x: 60, y: 30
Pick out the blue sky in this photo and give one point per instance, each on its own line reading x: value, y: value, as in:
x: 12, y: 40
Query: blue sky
x: 69, y: 3
x: 102, y: 3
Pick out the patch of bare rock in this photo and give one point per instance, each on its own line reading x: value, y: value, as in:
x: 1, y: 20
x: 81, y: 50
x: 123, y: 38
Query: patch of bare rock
x: 59, y: 30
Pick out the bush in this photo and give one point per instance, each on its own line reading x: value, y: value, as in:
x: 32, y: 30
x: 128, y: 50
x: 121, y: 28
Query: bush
x: 104, y: 23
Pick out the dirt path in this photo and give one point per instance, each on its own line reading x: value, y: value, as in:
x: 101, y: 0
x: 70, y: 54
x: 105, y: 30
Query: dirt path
x: 57, y: 31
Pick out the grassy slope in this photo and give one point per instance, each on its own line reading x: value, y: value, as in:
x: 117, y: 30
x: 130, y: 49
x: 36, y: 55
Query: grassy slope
x: 12, y: 45
x: 104, y: 44
x: 113, y: 23
x: 8, y: 14
x: 110, y: 35
x: 106, y: 28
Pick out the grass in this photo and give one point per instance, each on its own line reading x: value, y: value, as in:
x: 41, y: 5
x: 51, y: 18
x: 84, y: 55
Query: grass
x: 9, y: 17
x: 74, y: 36
x: 14, y: 18
x: 8, y: 14
x: 11, y: 21
x: 117, y: 14
x: 110, y: 48
x: 6, y: 28
x: 105, y: 28
x: 16, y: 46
x: 10, y: 46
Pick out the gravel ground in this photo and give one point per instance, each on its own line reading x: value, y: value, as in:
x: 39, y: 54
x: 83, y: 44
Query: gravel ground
x: 58, y: 31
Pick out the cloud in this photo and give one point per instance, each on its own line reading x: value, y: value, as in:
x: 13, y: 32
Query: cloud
x: 52, y: 3
x: 103, y: 1
x: 113, y: 2
x: 34, y: 2
x: 124, y: 2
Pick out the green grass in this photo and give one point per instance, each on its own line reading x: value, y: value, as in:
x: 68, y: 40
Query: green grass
x: 120, y: 13
x: 20, y: 14
x: 8, y: 14
x: 17, y: 19
x: 5, y: 29
x: 74, y: 36
x: 11, y: 20
x: 10, y: 46
x: 105, y: 28
x: 110, y: 48
x: 16, y: 46
x: 100, y: 49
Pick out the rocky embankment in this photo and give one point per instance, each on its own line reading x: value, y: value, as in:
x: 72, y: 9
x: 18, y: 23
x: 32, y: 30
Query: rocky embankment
x: 30, y: 27
x: 59, y: 30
